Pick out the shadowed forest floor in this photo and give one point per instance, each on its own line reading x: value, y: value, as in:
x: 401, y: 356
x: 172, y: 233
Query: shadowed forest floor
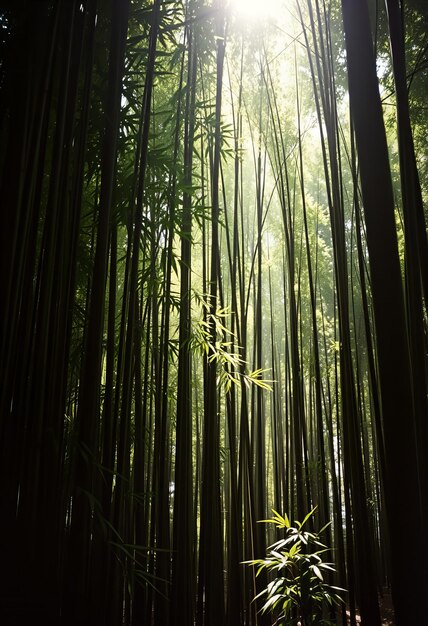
x: 386, y: 611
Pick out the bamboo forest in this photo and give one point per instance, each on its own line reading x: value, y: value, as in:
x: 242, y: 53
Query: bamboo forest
x: 214, y: 327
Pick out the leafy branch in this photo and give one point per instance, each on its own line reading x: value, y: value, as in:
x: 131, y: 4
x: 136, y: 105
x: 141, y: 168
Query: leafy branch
x: 299, y: 591
x: 231, y: 365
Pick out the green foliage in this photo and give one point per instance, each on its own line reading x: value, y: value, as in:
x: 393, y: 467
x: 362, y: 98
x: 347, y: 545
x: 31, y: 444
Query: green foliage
x: 299, y: 591
x: 231, y: 365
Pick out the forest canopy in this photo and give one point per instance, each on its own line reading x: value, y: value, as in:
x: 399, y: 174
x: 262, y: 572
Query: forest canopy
x: 214, y: 304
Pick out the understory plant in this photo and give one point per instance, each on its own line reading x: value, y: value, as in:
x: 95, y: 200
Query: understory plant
x: 298, y: 592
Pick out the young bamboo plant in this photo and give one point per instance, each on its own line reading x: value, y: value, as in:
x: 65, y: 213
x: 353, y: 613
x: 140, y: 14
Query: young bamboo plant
x: 298, y: 594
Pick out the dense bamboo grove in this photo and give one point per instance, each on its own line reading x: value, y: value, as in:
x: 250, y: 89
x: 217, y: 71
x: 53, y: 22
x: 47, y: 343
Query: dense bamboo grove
x: 215, y: 283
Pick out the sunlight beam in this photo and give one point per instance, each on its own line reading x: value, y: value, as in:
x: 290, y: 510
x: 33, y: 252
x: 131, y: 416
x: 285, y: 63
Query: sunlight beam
x: 255, y: 9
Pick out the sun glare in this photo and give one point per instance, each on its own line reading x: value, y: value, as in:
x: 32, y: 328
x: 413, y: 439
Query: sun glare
x: 256, y: 9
